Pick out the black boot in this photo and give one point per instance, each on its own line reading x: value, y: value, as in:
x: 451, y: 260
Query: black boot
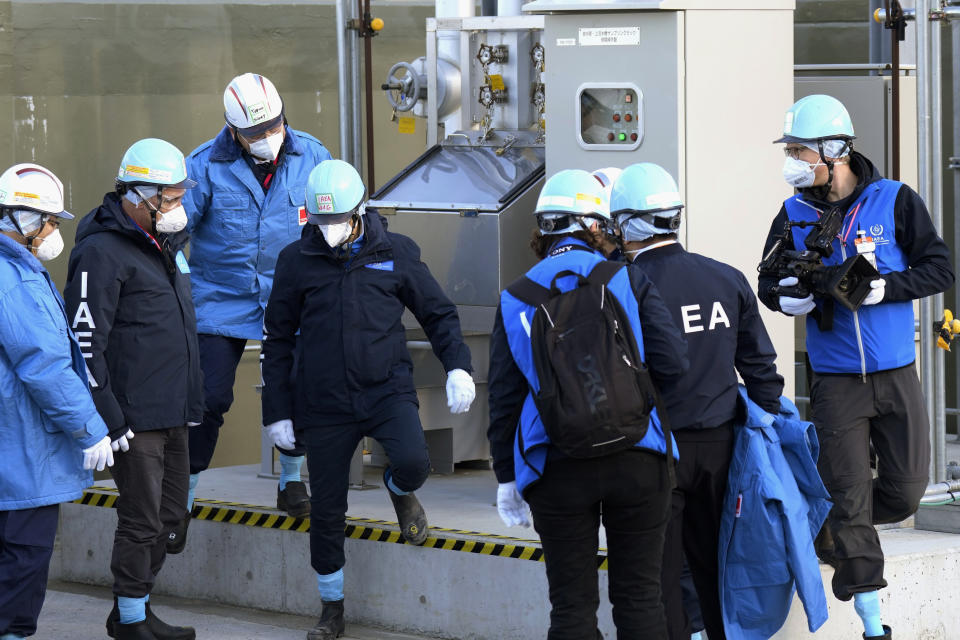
x: 410, y: 514
x: 160, y: 629
x: 330, y: 625
x: 177, y: 539
x: 294, y: 499
x: 135, y: 631
x: 887, y: 635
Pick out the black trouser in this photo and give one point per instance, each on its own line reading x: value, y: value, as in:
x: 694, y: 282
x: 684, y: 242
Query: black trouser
x: 694, y: 529
x: 329, y: 451
x: 219, y: 358
x: 153, y: 479
x: 630, y: 492
x: 850, y: 413
x: 26, y: 544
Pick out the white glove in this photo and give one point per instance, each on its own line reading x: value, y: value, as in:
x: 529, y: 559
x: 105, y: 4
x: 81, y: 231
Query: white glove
x: 281, y: 432
x: 511, y: 507
x: 877, y: 289
x: 795, y: 306
x: 460, y: 391
x: 99, y: 456
x: 123, y: 442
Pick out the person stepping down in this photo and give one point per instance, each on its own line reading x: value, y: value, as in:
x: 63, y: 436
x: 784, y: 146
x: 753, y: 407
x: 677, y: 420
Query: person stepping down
x: 343, y: 288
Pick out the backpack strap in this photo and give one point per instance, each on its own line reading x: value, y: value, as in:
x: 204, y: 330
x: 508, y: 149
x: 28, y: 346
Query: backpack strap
x: 526, y: 290
x: 603, y: 272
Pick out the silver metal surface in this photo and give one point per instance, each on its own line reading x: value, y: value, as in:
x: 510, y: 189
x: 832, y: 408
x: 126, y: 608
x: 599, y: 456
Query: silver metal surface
x: 936, y: 211
x: 568, y: 65
x: 344, y: 79
x: 925, y: 187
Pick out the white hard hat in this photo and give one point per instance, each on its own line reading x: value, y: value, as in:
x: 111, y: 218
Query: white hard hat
x: 252, y: 105
x: 27, y: 193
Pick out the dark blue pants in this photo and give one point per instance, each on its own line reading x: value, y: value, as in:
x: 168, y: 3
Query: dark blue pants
x: 329, y: 450
x: 219, y: 358
x: 26, y: 544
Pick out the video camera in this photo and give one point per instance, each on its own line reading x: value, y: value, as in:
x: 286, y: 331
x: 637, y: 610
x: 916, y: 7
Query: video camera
x: 848, y: 283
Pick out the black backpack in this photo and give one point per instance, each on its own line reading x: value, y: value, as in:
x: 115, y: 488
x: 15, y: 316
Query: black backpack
x: 596, y: 393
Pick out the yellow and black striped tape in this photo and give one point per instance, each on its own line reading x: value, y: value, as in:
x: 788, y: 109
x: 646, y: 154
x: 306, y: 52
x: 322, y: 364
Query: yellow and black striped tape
x: 357, y: 528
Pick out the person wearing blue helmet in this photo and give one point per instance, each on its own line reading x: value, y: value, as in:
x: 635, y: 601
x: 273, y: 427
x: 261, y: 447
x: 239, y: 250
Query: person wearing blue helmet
x: 248, y: 205
x: 570, y: 491
x: 344, y: 287
x: 863, y: 384
x: 128, y: 298
x: 715, y: 307
x: 51, y: 434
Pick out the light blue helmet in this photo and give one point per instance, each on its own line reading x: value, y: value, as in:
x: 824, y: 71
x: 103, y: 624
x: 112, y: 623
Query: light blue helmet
x: 334, y: 192
x: 568, y: 196
x: 816, y: 117
x: 645, y: 202
x: 156, y: 162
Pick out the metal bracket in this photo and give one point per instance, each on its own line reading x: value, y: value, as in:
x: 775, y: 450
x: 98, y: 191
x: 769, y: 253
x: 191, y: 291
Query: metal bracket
x: 953, y: 162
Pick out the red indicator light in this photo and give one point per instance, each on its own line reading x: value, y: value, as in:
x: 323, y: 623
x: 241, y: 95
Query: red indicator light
x: 628, y: 117
x: 616, y: 117
x: 633, y: 137
x: 610, y: 136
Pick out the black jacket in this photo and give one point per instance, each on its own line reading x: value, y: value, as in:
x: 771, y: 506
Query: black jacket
x: 716, y: 310
x: 129, y: 303
x: 348, y: 313
x: 930, y: 271
x: 664, y: 349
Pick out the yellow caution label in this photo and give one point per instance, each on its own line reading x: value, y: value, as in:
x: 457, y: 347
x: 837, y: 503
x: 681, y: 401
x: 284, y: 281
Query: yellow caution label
x: 496, y: 82
x: 250, y: 515
x: 406, y: 125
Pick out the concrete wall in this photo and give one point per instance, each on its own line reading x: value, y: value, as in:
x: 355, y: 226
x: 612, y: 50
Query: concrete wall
x: 467, y: 596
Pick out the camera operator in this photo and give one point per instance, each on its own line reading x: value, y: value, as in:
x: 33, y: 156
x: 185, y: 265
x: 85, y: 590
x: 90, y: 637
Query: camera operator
x: 864, y: 385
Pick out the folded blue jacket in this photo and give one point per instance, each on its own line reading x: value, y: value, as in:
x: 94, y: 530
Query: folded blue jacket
x: 774, y: 508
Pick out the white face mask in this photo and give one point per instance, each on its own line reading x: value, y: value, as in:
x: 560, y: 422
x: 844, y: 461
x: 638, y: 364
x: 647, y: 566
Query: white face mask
x: 172, y: 221
x: 799, y: 174
x: 336, y: 234
x: 50, y: 247
x: 266, y: 150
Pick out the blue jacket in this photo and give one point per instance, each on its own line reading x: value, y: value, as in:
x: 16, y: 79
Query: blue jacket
x: 667, y: 358
x: 873, y: 338
x: 774, y: 508
x: 47, y: 416
x: 237, y: 230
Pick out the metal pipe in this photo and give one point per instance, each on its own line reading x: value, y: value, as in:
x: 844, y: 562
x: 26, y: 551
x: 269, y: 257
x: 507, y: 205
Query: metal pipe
x: 895, y: 107
x: 344, y: 80
x: 355, y: 112
x: 364, y: 8
x: 945, y: 13
x: 936, y: 209
x: 942, y: 487
x: 884, y: 66
x: 924, y: 184
x: 955, y: 104
x: 941, y: 498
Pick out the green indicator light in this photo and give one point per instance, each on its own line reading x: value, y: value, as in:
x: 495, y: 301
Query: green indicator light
x: 623, y: 137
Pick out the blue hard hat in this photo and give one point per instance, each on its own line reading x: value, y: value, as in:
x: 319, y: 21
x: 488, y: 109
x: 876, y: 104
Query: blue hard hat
x: 816, y: 117
x: 334, y: 191
x: 645, y: 201
x: 154, y: 161
x: 567, y: 196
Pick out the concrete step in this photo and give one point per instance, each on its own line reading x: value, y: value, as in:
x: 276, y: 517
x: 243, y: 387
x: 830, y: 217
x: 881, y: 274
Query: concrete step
x: 462, y: 584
